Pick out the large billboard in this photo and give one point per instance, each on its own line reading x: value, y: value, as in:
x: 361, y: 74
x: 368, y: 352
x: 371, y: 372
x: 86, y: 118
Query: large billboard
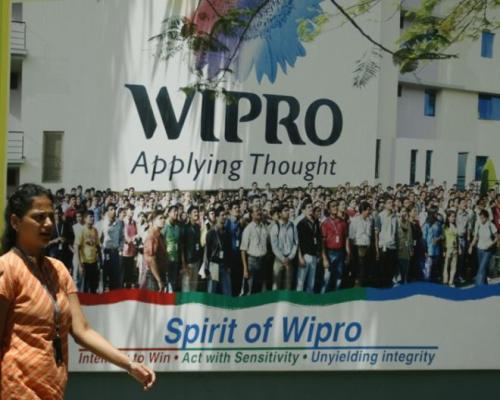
x: 415, y: 327
x: 126, y: 109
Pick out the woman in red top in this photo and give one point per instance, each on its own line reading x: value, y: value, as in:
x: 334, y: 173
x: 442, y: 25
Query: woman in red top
x: 39, y: 307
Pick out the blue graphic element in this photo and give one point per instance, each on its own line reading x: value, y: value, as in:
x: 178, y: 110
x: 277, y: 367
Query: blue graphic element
x: 270, y: 40
x: 433, y: 290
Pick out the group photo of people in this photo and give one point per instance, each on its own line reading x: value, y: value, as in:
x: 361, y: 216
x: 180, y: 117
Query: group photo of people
x: 245, y: 241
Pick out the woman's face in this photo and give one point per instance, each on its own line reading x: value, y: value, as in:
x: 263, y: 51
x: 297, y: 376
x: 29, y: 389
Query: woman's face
x: 34, y: 229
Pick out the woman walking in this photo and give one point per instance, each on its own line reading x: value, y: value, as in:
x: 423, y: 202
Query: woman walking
x: 39, y: 307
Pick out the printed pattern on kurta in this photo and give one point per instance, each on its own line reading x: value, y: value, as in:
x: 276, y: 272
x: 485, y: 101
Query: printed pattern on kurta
x: 28, y: 366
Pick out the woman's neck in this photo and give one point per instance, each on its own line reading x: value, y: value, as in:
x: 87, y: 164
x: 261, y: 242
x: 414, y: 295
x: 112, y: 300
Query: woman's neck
x: 33, y: 253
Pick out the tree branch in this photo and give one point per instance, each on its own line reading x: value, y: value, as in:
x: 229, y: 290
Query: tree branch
x: 240, y: 39
x: 363, y: 33
x: 214, y: 9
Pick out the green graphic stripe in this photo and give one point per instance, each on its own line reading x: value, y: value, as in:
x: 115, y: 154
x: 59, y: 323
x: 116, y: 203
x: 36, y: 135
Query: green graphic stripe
x: 301, y: 298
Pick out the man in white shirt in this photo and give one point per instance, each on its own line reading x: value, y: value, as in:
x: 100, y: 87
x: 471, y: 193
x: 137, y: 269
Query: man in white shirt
x: 386, y: 228
x: 253, y: 250
x: 361, y: 235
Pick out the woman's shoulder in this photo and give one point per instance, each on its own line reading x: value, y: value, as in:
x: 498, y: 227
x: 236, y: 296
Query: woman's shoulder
x: 13, y: 272
x: 5, y: 264
x: 10, y: 260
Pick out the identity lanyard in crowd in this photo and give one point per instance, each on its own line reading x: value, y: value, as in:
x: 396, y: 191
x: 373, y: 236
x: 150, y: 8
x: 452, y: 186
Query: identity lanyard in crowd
x: 219, y: 241
x: 59, y: 233
x: 334, y: 226
x: 366, y: 226
x: 258, y: 230
x: 193, y: 229
x: 313, y: 227
x: 286, y: 241
x: 392, y: 223
x: 56, y: 342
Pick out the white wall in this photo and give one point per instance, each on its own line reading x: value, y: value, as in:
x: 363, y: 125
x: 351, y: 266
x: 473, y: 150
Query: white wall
x: 386, y: 102
x: 411, y: 121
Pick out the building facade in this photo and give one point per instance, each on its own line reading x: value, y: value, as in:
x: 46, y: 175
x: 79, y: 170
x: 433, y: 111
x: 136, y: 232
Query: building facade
x: 94, y: 102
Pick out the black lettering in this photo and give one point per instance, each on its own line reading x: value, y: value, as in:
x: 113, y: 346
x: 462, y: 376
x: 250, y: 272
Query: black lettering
x: 232, y: 108
x: 140, y: 164
x: 172, y: 126
x: 284, y: 167
x: 256, y: 157
x: 144, y: 109
x: 269, y: 164
x: 288, y: 122
x: 310, y: 122
x: 207, y: 116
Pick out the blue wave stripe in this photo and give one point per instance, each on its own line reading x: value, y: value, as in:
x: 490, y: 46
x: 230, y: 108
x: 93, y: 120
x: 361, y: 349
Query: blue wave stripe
x: 434, y: 290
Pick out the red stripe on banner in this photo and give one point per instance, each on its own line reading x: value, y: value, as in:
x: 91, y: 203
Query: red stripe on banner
x: 116, y: 296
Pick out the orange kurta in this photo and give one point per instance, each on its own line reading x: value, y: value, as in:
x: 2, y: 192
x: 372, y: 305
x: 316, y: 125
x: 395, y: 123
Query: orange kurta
x: 28, y: 366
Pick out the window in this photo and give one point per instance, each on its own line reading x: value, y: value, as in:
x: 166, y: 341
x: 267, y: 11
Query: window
x: 430, y: 103
x: 461, y: 170
x: 400, y: 90
x: 13, y: 176
x: 487, y: 44
x: 14, y: 80
x: 402, y: 19
x: 489, y: 107
x: 480, y: 163
x: 377, y: 159
x: 12, y: 179
x: 413, y: 166
x: 428, y: 165
x: 52, y: 157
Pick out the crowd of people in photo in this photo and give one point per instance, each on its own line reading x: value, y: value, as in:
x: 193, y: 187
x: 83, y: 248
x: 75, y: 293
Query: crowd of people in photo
x: 313, y: 239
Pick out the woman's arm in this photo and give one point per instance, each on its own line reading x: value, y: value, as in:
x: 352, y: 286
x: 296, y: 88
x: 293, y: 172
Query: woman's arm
x: 85, y: 336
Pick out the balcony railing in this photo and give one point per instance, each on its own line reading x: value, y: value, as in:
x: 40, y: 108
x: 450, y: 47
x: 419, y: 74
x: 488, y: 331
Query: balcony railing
x: 18, y: 38
x: 15, y: 147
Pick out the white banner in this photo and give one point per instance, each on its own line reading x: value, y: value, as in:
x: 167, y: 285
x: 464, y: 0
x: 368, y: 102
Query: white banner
x: 419, y: 332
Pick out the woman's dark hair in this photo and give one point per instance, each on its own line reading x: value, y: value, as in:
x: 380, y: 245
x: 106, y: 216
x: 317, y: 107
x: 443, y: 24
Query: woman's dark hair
x: 19, y: 204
